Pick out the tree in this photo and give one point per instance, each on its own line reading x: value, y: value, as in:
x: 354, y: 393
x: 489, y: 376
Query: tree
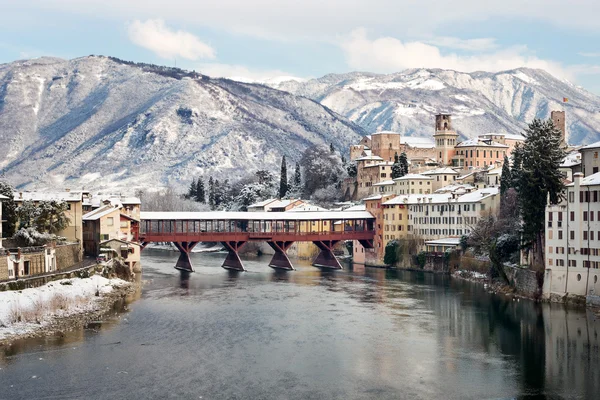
x: 352, y: 170
x: 392, y: 252
x: 539, y: 181
x: 403, y: 160
x: 506, y: 178
x: 9, y: 210
x: 297, y: 176
x: 295, y: 184
x: 43, y: 217
x: 200, y: 195
x: 396, y: 168
x: 283, y: 185
x: 320, y: 169
x: 331, y: 148
x: 192, y: 191
x: 211, y: 193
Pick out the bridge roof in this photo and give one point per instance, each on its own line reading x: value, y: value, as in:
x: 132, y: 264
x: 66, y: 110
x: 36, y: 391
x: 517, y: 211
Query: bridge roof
x: 255, y: 216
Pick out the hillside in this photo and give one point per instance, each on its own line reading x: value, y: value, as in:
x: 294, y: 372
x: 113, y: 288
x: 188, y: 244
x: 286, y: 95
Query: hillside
x: 480, y: 102
x: 97, y: 122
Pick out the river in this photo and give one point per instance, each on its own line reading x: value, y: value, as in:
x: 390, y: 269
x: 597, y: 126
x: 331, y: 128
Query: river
x: 360, y: 333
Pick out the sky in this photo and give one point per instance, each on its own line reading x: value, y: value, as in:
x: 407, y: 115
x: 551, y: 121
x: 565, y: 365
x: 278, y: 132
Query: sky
x: 262, y: 39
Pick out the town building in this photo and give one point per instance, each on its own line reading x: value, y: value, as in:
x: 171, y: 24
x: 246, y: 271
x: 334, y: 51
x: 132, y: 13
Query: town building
x: 113, y: 226
x: 477, y: 153
x: 572, y: 247
x: 413, y: 184
x: 590, y: 162
x: 2, y: 198
x: 441, y: 177
x: 445, y: 139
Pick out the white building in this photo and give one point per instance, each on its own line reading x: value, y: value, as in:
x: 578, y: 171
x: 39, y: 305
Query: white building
x: 2, y: 198
x: 443, y: 215
x: 572, y: 249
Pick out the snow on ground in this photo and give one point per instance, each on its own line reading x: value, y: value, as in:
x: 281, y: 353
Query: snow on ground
x: 37, y: 307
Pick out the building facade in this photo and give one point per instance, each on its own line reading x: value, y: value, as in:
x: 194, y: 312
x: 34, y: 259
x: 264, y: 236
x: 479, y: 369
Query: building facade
x: 572, y: 248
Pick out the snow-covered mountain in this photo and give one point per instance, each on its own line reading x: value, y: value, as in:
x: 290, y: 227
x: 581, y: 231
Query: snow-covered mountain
x: 480, y: 102
x: 98, y: 122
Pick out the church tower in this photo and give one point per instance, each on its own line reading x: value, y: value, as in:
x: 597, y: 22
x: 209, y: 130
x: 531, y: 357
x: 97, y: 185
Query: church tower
x: 445, y: 139
x: 558, y: 118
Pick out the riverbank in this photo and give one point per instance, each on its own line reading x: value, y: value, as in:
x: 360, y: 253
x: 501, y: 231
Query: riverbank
x: 58, y: 306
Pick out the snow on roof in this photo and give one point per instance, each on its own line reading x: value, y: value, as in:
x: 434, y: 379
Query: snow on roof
x: 494, y: 171
x: 477, y: 195
x: 282, y: 203
x: 441, y: 171
x: 369, y: 158
x: 509, y: 136
x: 3, y: 197
x: 358, y: 207
x: 375, y: 197
x: 262, y: 203
x: 571, y: 160
x: 434, y: 198
x: 49, y: 196
x: 590, y: 180
x: 445, y: 241
x: 479, y: 142
x: 384, y: 183
x: 99, y: 213
x: 419, y: 142
x: 591, y: 146
x: 306, y: 208
x: 408, y: 177
x: 254, y: 216
x: 466, y: 176
x: 455, y: 187
x: 379, y: 164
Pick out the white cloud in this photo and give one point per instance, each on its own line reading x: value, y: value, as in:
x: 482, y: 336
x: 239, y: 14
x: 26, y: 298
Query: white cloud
x: 387, y: 54
x: 154, y: 35
x: 480, y: 44
x: 324, y: 19
x: 584, y: 54
x: 244, y: 74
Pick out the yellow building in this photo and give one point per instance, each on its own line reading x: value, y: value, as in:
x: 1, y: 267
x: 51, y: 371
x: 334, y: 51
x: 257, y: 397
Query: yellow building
x: 413, y: 184
x: 441, y: 177
x: 395, y: 219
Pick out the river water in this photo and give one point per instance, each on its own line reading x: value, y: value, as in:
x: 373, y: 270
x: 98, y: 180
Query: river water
x: 360, y: 333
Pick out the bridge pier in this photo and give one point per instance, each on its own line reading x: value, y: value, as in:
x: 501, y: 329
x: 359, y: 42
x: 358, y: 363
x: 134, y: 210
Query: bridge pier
x: 280, y: 259
x: 326, y: 258
x: 233, y: 261
x: 184, y: 263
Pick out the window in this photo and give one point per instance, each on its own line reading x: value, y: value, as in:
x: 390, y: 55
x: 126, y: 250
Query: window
x: 26, y: 267
x: 110, y: 221
x: 585, y: 215
x: 585, y: 235
x: 123, y: 224
x: 595, y: 154
x: 560, y: 235
x: 572, y: 235
x: 572, y: 216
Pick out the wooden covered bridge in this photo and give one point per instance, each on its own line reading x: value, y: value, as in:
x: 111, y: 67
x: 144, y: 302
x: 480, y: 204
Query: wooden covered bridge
x: 279, y: 229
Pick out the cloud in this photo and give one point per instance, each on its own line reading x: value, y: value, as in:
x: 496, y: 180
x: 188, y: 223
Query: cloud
x: 319, y: 19
x: 154, y: 35
x: 388, y: 54
x: 584, y: 54
x: 244, y: 74
x: 481, y: 44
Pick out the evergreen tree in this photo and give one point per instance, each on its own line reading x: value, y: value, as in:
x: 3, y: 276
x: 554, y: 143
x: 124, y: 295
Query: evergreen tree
x: 211, y: 193
x: 517, y: 166
x: 344, y: 160
x: 396, y: 167
x: 539, y: 181
x: 9, y: 210
x: 403, y: 160
x: 351, y: 170
x: 297, y: 176
x: 191, y: 194
x: 506, y: 178
x: 283, y: 185
x: 331, y: 149
x: 199, y: 195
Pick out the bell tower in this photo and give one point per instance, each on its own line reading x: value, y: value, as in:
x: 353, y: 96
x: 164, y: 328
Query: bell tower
x: 445, y: 139
x: 558, y: 118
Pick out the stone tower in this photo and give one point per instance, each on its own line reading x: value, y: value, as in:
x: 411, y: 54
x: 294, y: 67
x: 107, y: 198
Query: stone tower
x: 445, y: 139
x: 558, y: 118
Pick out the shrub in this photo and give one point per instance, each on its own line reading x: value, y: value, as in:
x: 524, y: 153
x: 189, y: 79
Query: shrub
x: 421, y: 259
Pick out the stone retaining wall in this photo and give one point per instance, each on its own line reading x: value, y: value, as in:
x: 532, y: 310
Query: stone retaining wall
x: 524, y: 280
x: 37, y: 281
x: 68, y: 255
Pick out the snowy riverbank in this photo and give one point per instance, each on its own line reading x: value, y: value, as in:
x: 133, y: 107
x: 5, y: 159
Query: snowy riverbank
x: 39, y: 310
x: 200, y: 248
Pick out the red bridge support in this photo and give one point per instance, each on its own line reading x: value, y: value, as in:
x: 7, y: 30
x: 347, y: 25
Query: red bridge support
x: 280, y: 259
x: 184, y: 263
x: 326, y: 258
x: 233, y: 258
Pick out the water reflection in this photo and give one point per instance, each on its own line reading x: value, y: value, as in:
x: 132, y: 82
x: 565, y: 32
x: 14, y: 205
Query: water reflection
x: 356, y: 333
